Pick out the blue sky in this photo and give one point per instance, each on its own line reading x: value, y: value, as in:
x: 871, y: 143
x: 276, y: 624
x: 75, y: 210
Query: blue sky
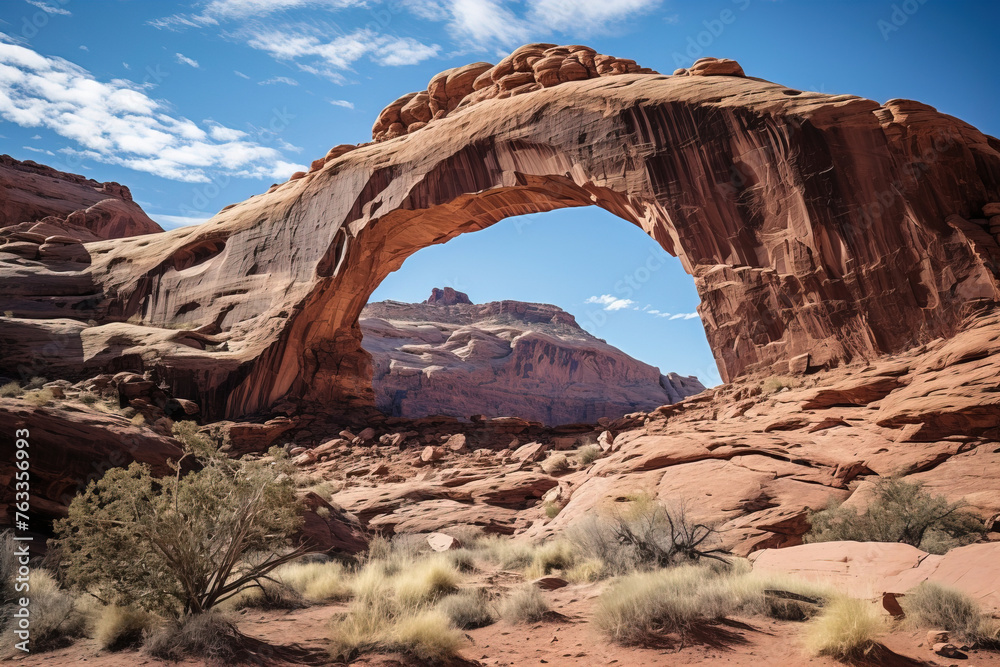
x: 195, y: 105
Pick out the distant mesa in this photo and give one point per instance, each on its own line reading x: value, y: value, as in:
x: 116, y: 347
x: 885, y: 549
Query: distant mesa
x: 447, y: 297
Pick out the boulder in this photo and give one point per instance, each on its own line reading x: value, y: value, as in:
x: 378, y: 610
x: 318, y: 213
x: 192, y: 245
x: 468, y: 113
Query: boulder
x: 443, y: 542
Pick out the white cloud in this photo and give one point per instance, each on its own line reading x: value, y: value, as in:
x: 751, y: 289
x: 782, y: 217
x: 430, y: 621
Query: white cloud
x: 342, y: 103
x: 37, y: 150
x: 115, y: 122
x: 610, y: 303
x: 317, y: 54
x: 240, y: 74
x: 487, y: 22
x: 683, y: 316
x: 184, y: 60
x: 288, y: 81
x: 49, y: 8
x: 217, y: 11
x: 586, y: 16
x: 84, y: 48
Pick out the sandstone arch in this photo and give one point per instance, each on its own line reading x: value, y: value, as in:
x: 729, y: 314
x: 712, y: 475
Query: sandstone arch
x: 816, y: 224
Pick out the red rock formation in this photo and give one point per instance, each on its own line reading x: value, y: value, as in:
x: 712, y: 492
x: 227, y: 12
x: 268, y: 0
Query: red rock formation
x: 813, y: 224
x: 78, y: 207
x: 506, y: 358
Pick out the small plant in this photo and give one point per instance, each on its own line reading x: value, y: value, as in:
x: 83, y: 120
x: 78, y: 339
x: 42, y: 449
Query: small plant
x: 8, y: 313
x: 318, y: 582
x: 210, y: 636
x: 932, y: 605
x: 36, y: 382
x: 900, y: 512
x: 425, y: 581
x: 427, y: 635
x: 88, y: 398
x: 552, y: 509
x: 266, y: 595
x: 138, y: 419
x: 588, y: 454
x: 11, y: 390
x: 467, y: 609
x: 119, y: 628
x: 556, y: 464
x: 846, y: 629
x: 507, y: 553
x: 554, y: 555
x: 773, y: 385
x: 40, y: 398
x: 523, y: 605
x: 644, y: 536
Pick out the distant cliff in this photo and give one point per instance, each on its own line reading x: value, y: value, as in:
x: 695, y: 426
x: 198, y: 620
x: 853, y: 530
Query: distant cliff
x: 505, y: 358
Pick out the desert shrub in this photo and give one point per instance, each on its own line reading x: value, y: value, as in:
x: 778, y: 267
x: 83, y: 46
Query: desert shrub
x: 524, y: 604
x: 846, y: 629
x: 552, y: 509
x: 316, y: 581
x: 382, y: 625
x: 510, y: 554
x: 553, y: 555
x: 36, y: 382
x: 585, y: 571
x: 426, y: 580
x: 118, y: 628
x: 210, y: 636
x: 463, y: 560
x: 11, y: 390
x: 556, y: 464
x: 138, y: 419
x: 199, y: 444
x: 588, y: 454
x: 266, y: 594
x: 40, y: 398
x: 772, y: 385
x: 467, y: 609
x: 900, y: 511
x: 931, y: 605
x: 181, y: 543
x: 644, y: 536
x: 88, y: 398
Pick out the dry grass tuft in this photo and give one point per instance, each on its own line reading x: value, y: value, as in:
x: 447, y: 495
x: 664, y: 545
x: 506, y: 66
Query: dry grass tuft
x: 318, y: 582
x: 556, y: 464
x: 119, y: 628
x: 210, y: 637
x: 40, y: 398
x: 523, y: 605
x: 11, y: 390
x: 468, y: 609
x: 846, y: 629
x: 932, y: 605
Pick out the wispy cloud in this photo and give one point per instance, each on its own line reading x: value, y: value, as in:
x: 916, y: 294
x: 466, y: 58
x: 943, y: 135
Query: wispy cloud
x: 174, y: 221
x: 288, y: 81
x: 586, y: 16
x: 49, y: 7
x: 116, y: 122
x: 610, y: 302
x: 37, y: 150
x: 218, y: 11
x: 184, y: 60
x: 342, y: 103
x: 240, y: 74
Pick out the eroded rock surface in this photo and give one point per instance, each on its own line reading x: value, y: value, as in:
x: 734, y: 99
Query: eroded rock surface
x: 506, y: 358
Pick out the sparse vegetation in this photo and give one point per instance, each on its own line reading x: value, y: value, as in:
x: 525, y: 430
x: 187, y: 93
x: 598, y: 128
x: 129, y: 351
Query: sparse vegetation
x: 468, y: 609
x: 210, y: 636
x: 36, y: 382
x: 138, y: 420
x: 588, y: 454
x: 316, y: 581
x: 54, y: 618
x: 524, y: 604
x: 900, y: 511
x: 119, y: 628
x: 773, y: 385
x: 556, y: 464
x: 550, y: 556
x: 552, y: 509
x: 846, y: 629
x: 40, y: 398
x: 181, y: 544
x: 11, y: 390
x: 88, y: 398
x: 931, y: 605
x: 643, y: 536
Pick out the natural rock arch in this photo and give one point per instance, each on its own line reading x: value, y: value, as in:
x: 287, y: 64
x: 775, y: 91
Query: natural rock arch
x: 826, y: 225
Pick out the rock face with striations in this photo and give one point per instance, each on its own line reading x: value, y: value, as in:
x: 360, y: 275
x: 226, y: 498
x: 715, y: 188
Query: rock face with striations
x: 819, y: 229
x: 506, y: 358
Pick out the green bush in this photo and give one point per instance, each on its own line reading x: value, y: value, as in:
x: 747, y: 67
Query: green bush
x: 182, y: 543
x: 899, y: 512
